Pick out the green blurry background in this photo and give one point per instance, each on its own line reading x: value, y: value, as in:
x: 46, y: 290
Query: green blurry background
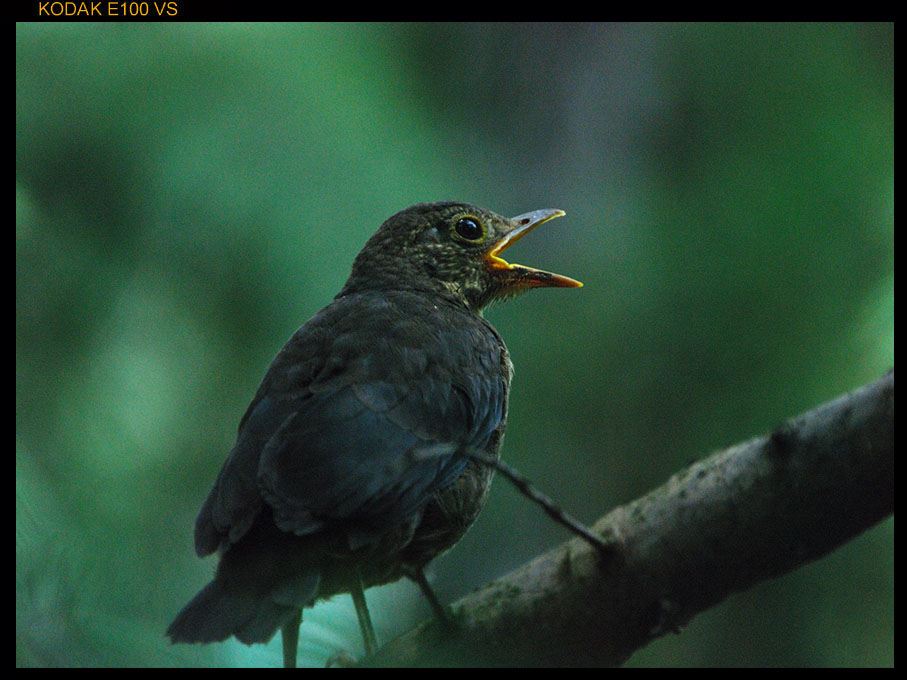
x: 188, y: 195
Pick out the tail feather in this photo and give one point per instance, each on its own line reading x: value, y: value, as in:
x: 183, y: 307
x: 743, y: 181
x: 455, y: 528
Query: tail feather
x: 215, y: 614
x: 261, y: 582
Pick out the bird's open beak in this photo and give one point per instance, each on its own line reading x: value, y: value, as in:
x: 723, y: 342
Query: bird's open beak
x: 518, y: 274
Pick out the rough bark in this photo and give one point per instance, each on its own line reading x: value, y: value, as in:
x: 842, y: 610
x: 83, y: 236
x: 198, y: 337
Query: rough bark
x: 749, y: 513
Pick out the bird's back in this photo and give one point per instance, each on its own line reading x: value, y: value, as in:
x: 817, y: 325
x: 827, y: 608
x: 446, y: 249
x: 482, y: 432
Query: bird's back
x: 352, y: 455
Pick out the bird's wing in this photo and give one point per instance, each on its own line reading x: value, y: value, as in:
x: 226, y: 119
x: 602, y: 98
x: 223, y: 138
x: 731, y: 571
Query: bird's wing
x: 360, y: 425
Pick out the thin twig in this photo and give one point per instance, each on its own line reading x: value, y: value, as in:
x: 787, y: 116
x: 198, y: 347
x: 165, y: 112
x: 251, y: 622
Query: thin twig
x: 549, y: 506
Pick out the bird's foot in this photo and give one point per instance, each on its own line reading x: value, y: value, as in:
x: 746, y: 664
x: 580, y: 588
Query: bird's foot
x: 443, y: 613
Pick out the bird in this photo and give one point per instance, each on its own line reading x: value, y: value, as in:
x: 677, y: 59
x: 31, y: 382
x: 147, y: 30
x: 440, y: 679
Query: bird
x: 354, y: 464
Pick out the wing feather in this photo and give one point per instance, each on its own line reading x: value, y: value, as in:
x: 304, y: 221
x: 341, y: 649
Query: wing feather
x: 359, y: 433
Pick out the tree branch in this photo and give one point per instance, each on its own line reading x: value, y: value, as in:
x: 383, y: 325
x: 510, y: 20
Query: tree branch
x: 738, y: 517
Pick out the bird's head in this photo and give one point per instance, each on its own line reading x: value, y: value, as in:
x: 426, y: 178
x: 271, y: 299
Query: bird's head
x: 451, y: 249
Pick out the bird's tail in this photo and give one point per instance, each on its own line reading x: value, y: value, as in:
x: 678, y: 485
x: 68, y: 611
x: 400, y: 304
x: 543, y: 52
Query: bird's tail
x: 262, y: 581
x: 259, y: 586
x: 215, y: 614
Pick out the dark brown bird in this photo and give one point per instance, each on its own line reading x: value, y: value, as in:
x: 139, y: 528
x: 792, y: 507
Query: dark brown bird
x: 352, y: 464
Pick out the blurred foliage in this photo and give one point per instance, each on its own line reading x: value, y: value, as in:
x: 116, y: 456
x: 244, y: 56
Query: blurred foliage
x: 187, y: 195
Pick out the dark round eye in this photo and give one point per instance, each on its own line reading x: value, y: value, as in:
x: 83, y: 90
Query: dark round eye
x: 469, y: 228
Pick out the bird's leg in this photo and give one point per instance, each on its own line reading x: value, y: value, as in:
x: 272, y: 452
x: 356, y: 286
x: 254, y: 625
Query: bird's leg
x: 289, y: 635
x: 365, y: 620
x: 417, y: 574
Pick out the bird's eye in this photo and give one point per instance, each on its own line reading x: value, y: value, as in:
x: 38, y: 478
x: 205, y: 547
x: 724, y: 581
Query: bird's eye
x: 469, y: 228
